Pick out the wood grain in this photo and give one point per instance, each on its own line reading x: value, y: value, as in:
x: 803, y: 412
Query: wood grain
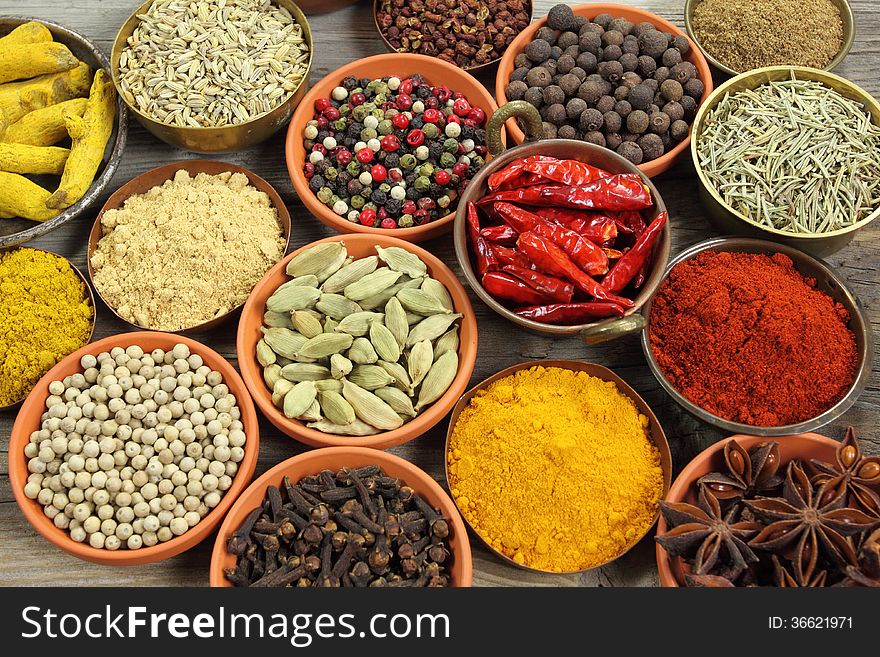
x: 342, y: 37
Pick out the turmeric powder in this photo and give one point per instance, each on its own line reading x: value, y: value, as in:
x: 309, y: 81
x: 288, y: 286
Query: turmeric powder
x: 45, y: 126
x: 45, y: 315
x: 555, y: 469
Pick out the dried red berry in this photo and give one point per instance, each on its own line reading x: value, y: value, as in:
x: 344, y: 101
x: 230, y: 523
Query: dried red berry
x: 404, y: 102
x: 364, y: 155
x: 388, y: 222
x: 322, y: 104
x: 416, y: 137
x: 478, y: 115
x: 432, y: 116
x: 389, y: 143
x: 308, y: 170
x: 378, y: 172
x: 406, y: 86
x: 442, y: 177
x: 343, y: 156
x: 400, y: 121
x: 331, y: 113
x: 461, y: 107
x: 460, y: 169
x: 357, y: 99
x: 367, y: 217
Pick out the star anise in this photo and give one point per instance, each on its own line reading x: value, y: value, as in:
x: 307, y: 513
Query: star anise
x: 748, y: 473
x: 853, y: 474
x: 708, y: 581
x: 802, y: 520
x: 783, y: 578
x: 867, y: 573
x: 715, y: 540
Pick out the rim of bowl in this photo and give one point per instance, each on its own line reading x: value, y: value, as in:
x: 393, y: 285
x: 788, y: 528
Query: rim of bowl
x: 849, y: 300
x: 166, y: 172
x: 304, y: 112
x: 658, y: 438
x: 102, y: 179
x: 462, y: 249
x: 687, y: 478
x: 20, y: 436
x: 856, y: 93
x: 118, y: 43
x: 591, y: 10
x: 415, y: 475
x: 846, y: 18
x: 252, y: 372
x: 89, y: 295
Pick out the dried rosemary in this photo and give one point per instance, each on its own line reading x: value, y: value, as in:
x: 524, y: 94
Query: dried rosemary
x: 794, y: 155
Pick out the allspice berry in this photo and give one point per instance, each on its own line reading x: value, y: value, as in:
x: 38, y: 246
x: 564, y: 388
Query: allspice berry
x: 640, y: 97
x: 595, y: 137
x: 575, y: 107
x: 612, y: 121
x: 683, y: 71
x: 519, y: 73
x: 613, y: 140
x: 623, y: 108
x: 561, y: 17
x: 653, y: 43
x: 569, y: 83
x: 538, y: 77
x: 671, y: 57
x: 605, y: 104
x: 587, y: 61
x: 553, y: 94
x: 567, y: 132
x: 612, y: 38
x: 591, y: 120
x: 590, y: 91
x: 555, y: 114
x: 637, y: 122
x: 690, y: 107
x: 611, y: 71
x: 647, y: 66
x: 565, y: 63
x: 567, y: 39
x: 590, y: 42
x: 547, y: 34
x: 621, y: 25
x: 534, y: 96
x: 630, y: 151
x: 548, y: 130
x: 538, y: 51
x: 629, y: 61
x: 671, y: 90
x: 694, y: 88
x: 631, y: 79
x: 612, y: 53
x: 651, y: 145
x: 673, y: 110
x: 681, y: 43
x: 658, y: 123
x: 516, y: 90
x: 679, y: 130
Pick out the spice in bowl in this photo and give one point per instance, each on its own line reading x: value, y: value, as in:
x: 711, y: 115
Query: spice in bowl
x: 212, y: 64
x: 136, y: 449
x: 353, y: 528
x: 551, y: 228
x: 769, y: 157
x: 393, y: 153
x: 354, y: 348
x: 45, y: 315
x: 186, y: 251
x: 467, y: 34
x: 626, y: 87
x: 747, y: 338
x: 555, y: 469
x: 748, y: 34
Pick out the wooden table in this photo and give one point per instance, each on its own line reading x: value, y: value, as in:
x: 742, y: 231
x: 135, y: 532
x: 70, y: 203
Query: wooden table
x: 341, y: 37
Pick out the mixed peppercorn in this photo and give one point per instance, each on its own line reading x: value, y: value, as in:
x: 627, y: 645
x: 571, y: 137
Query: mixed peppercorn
x: 392, y: 152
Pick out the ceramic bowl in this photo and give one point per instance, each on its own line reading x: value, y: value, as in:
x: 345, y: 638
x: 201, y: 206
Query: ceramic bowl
x: 593, y: 332
x: 656, y: 435
x: 225, y: 139
x: 155, y: 177
x: 358, y: 246
x: 335, y: 458
x: 435, y: 71
x: 803, y: 446
x: 17, y: 230
x: 829, y: 282
x: 632, y: 14
x: 28, y: 420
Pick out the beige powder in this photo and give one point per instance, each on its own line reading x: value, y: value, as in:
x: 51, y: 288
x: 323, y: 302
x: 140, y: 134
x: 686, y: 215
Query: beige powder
x: 186, y: 251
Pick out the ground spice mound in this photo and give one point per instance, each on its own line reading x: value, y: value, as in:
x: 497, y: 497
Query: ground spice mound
x: 749, y: 339
x: 555, y: 469
x: 747, y: 34
x: 186, y: 251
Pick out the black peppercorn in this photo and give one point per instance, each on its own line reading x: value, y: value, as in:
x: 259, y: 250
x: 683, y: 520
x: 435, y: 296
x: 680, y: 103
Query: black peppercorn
x: 640, y: 96
x: 659, y: 122
x: 553, y: 95
x: 393, y: 206
x: 538, y: 51
x: 575, y: 107
x: 412, y: 194
x: 435, y: 150
x: 566, y: 132
x: 605, y: 104
x: 565, y: 63
x: 316, y: 183
x: 349, y: 82
x: 612, y: 121
x: 637, y: 122
x: 653, y: 43
x: 630, y: 151
x: 694, y: 88
x: 538, y: 77
x: 611, y: 53
x: 623, y: 108
x: 673, y: 110
x: 595, y: 137
x: 651, y: 145
x: 590, y: 91
x: 679, y: 130
x: 534, y: 96
x: 379, y: 197
x: 560, y: 17
x: 590, y: 120
x: 671, y: 90
x: 629, y: 61
x: 671, y: 57
x: 516, y: 90
x: 423, y: 92
x: 547, y: 34
x: 613, y: 140
x: 611, y: 71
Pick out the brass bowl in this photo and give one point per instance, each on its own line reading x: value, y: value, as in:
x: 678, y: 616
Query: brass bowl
x: 846, y: 17
x: 729, y: 220
x: 655, y: 433
x: 227, y: 138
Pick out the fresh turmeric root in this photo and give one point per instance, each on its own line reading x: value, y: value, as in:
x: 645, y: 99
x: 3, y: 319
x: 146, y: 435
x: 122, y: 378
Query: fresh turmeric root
x: 20, y: 197
x: 89, y: 134
x: 44, y: 127
x: 31, y: 32
x: 21, y: 158
x: 19, y: 61
x: 19, y: 98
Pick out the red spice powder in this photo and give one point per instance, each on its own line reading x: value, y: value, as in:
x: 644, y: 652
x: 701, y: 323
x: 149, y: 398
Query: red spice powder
x: 749, y: 339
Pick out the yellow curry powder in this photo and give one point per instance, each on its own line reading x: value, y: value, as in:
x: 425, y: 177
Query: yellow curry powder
x: 44, y: 316
x: 555, y: 469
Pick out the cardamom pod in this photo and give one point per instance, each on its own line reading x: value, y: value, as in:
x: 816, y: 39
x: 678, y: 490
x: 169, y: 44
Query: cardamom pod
x: 312, y: 414
x: 298, y: 297
x: 330, y: 325
x: 421, y: 303
x: 370, y: 377
x: 396, y: 399
x: 371, y: 284
x: 356, y: 428
x: 336, y: 409
x: 340, y: 366
x: 309, y: 280
x: 265, y: 355
x: 349, y: 274
x: 281, y: 388
x: 284, y: 342
x: 328, y: 384
x: 337, y: 306
x: 299, y: 398
x: 431, y: 328
x: 438, y: 379
x: 382, y: 298
x: 271, y: 374
x: 436, y: 289
x: 297, y: 372
x: 447, y: 342
x: 358, y: 324
x: 384, y: 342
x: 362, y: 352
x: 306, y: 323
x: 315, y: 259
x: 325, y: 345
x: 277, y: 320
x: 282, y: 361
x: 400, y: 375
x: 369, y: 408
x: 412, y: 318
x: 338, y: 263
x: 395, y: 321
x: 419, y: 361
x: 402, y: 260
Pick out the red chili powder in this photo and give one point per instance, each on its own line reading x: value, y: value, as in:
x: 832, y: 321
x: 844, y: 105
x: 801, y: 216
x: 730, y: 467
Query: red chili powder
x: 749, y: 339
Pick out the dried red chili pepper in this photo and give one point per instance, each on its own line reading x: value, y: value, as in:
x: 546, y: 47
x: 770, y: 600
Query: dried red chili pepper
x: 597, y: 227
x: 486, y: 260
x: 506, y: 177
x: 571, y: 313
x: 633, y: 260
x: 559, y: 290
x: 612, y: 254
x: 622, y: 191
x: 567, y: 172
x: 633, y: 221
x: 499, y: 234
x: 505, y: 286
x: 507, y: 256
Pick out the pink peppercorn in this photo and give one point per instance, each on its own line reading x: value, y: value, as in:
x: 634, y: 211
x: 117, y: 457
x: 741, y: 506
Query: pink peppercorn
x: 461, y: 107
x: 404, y: 102
x: 415, y: 137
x: 388, y: 222
x: 400, y: 121
x: 367, y: 217
x: 331, y: 113
x: 357, y: 99
x: 322, y: 104
x: 343, y: 156
x: 389, y: 143
x: 364, y: 155
x: 442, y: 177
x: 378, y: 173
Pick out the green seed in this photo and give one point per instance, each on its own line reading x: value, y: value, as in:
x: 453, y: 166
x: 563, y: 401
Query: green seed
x: 300, y: 397
x: 350, y: 274
x: 297, y: 372
x: 330, y: 325
x: 438, y: 379
x: 431, y: 328
x: 436, y: 289
x: 271, y: 374
x: 315, y: 259
x: 379, y: 300
x: 306, y: 323
x: 447, y: 342
x: 421, y: 303
x: 281, y: 388
x: 419, y: 361
x: 277, y: 320
x: 358, y: 324
x: 369, y: 408
x: 384, y: 342
x: 337, y: 306
x: 362, y: 352
x: 336, y: 409
x: 298, y: 297
x: 340, y: 366
x: 396, y: 399
x: 395, y: 321
x: 370, y: 377
x: 325, y: 344
x: 400, y: 375
x: 312, y: 413
x: 402, y: 260
x: 356, y: 428
x: 328, y: 384
x: 284, y: 342
x: 265, y: 355
x: 309, y: 280
x: 371, y: 284
x: 340, y: 261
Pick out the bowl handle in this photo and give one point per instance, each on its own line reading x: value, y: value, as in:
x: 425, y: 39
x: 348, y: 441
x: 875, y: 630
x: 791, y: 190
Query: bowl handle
x: 519, y: 109
x: 614, y: 329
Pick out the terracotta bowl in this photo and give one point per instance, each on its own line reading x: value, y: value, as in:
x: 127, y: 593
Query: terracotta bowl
x: 657, y: 436
x: 334, y: 458
x: 634, y: 15
x: 804, y: 446
x: 358, y: 246
x: 435, y: 71
x: 28, y: 420
x: 154, y: 177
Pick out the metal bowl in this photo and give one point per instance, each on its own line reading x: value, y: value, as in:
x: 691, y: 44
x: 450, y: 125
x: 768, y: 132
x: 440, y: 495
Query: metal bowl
x: 17, y: 230
x: 829, y: 282
x: 227, y: 138
x: 729, y: 220
x: 846, y: 17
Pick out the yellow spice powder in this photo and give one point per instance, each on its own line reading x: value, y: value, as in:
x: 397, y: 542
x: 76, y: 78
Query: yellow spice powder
x: 555, y: 469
